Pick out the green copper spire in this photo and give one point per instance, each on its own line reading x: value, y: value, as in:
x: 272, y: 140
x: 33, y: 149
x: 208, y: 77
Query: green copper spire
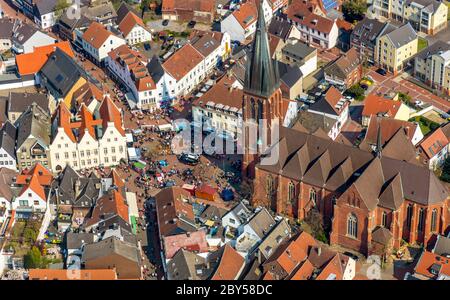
x: 261, y: 77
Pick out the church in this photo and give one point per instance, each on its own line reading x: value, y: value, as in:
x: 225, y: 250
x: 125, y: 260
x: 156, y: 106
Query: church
x: 369, y: 201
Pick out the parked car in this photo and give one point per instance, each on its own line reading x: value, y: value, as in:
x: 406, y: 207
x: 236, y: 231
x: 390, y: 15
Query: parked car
x: 191, y: 24
x: 147, y: 47
x: 165, y: 22
x: 418, y: 103
x: 364, y: 86
x: 381, y: 71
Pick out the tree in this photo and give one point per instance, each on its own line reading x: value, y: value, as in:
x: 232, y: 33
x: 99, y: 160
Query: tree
x: 354, y: 10
x: 30, y: 235
x: 357, y: 92
x: 33, y: 259
x: 445, y: 176
x: 60, y: 7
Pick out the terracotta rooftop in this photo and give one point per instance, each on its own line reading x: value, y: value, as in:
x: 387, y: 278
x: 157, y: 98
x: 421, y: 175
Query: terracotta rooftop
x: 247, y: 14
x: 375, y: 104
x: 183, y: 61
x: 434, y: 143
x: 96, y: 35
x: 193, y: 241
x: 31, y: 63
x: 230, y: 266
x: 129, y: 22
x: 431, y: 265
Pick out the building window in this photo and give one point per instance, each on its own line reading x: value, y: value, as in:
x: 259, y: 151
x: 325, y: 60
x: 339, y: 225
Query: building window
x: 291, y: 192
x: 312, y: 195
x: 384, y: 220
x: 433, y: 220
x: 409, y: 214
x: 269, y: 186
x: 421, y: 223
x: 352, y: 226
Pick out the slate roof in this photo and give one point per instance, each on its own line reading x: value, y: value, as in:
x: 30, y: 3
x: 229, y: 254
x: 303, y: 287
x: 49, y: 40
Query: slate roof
x: 289, y: 75
x: 33, y: 123
x: 6, y: 181
x: 280, y: 233
x: 367, y: 30
x: 280, y: 27
x: 8, y: 135
x: 335, y: 166
x: 261, y: 222
x: 402, y: 35
x: 61, y: 72
x: 345, y: 64
x: 186, y: 265
x: 435, y: 48
x: 74, y: 240
x: 43, y: 7
x: 19, y: 102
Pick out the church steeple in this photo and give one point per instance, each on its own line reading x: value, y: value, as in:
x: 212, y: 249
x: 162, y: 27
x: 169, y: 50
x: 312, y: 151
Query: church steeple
x: 262, y: 72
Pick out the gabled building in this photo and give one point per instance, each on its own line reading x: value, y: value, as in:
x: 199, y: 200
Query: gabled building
x: 316, y: 30
x: 45, y: 14
x: 25, y: 38
x: 62, y: 76
x: 7, y: 194
x: 187, y: 265
x: 18, y: 103
x: 132, y: 27
x: 432, y: 66
x: 34, y: 191
x: 300, y: 55
x: 97, y: 41
x: 346, y: 71
x: 427, y: 16
x: 380, y: 106
x: 129, y: 67
x: 230, y: 264
x: 8, y: 134
x: 112, y: 253
x: 434, y: 148
x: 241, y: 23
x: 87, y: 139
x: 364, y: 37
x: 395, y: 49
x: 33, y: 137
x: 332, y: 109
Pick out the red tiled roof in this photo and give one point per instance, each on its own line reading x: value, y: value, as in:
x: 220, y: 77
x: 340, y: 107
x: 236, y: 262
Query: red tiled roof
x: 434, y: 143
x: 183, y: 61
x: 44, y: 176
x: 375, y: 104
x: 429, y: 260
x: 230, y: 266
x: 129, y: 22
x: 304, y: 272
x: 247, y: 14
x: 35, y: 186
x: 63, y: 117
x: 136, y: 63
x: 222, y: 93
x: 96, y: 35
x: 110, y: 113
x: 296, y: 252
x: 31, y: 63
x: 333, y: 96
x: 303, y: 14
x: 111, y: 204
x: 334, y: 267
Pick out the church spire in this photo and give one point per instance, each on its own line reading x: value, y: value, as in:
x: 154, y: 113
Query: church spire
x: 262, y: 72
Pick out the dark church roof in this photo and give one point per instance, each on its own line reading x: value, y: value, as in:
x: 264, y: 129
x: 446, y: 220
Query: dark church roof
x: 262, y: 75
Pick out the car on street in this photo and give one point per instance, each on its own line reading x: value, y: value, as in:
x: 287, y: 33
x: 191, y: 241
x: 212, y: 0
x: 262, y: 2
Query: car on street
x: 147, y: 47
x: 419, y: 103
x: 165, y: 22
x: 381, y: 71
x: 191, y: 24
